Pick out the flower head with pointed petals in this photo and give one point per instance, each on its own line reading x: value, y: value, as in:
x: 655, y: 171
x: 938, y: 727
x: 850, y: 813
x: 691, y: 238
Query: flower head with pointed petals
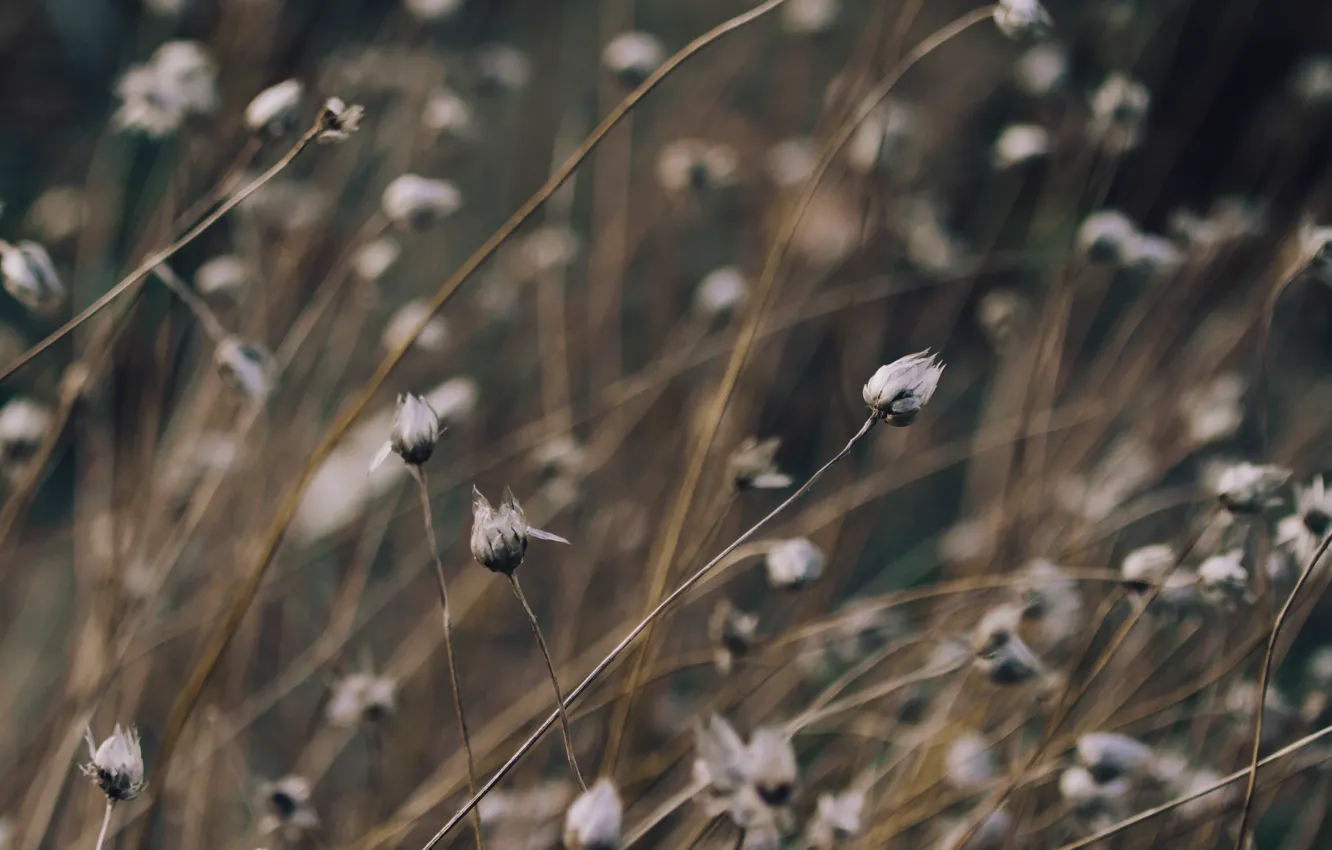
x: 116, y: 765
x: 898, y: 391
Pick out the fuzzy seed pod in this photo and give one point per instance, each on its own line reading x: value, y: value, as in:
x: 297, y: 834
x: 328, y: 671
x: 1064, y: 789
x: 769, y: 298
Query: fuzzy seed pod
x: 837, y: 819
x: 116, y: 765
x: 1248, y: 488
x: 731, y: 632
x: 361, y: 697
x: 1148, y: 565
x: 633, y: 56
x: 339, y: 120
x: 753, y: 465
x: 1108, y: 755
x: 594, y: 820
x: 418, y: 202
x: 770, y: 764
x: 499, y: 537
x: 275, y: 110
x: 1222, y: 579
x: 289, y: 811
x: 249, y: 367
x: 1022, y: 18
x: 30, y: 277
x: 897, y: 392
x: 793, y: 563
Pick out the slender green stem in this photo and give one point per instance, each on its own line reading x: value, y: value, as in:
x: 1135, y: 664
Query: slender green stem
x: 424, y: 492
x: 554, y: 682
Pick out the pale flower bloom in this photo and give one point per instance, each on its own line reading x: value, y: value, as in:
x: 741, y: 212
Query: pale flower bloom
x: 1119, y: 111
x: 1303, y: 532
x: 969, y: 762
x: 793, y: 563
x: 633, y: 55
x: 416, y: 429
x: 418, y: 201
x: 790, y: 162
x: 275, y: 110
x: 361, y: 697
x: 720, y: 291
x: 226, y: 274
x: 1223, y: 580
x: 447, y: 112
x: 809, y: 17
x: 116, y: 765
x: 1042, y: 68
x: 434, y: 335
x: 1018, y: 18
x: 500, y: 535
x: 897, y: 392
x: 1020, y: 143
x: 695, y: 163
x: 179, y: 80
x: 595, y: 819
x: 1248, y: 488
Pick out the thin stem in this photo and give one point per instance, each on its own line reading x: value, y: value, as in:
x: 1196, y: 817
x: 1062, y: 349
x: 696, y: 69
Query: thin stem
x: 423, y: 490
x: 207, y: 318
x: 637, y: 630
x: 554, y: 682
x: 106, y: 822
x: 1265, y: 676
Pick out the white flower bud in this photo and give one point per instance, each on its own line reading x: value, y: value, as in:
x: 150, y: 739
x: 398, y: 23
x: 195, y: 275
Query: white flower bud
x: 433, y: 10
x: 595, y: 818
x: 117, y: 764
x: 1248, y: 488
x: 1019, y: 18
x: 633, y: 56
x: 416, y: 429
x: 1079, y: 787
x: 223, y: 275
x: 433, y: 335
x: 753, y: 465
x: 1108, y: 238
x: 809, y: 17
x: 447, y: 112
x: 770, y: 764
x: 339, y: 120
x: 719, y: 756
x: 969, y: 762
x: 499, y: 537
x: 289, y: 811
x: 1109, y: 756
x: 275, y: 110
x: 790, y: 162
x: 418, y: 202
x: 732, y: 633
x: 837, y: 820
x: 720, y: 291
x: 1222, y: 579
x: 502, y: 67
x: 793, y: 563
x: 1119, y: 109
x: 249, y: 367
x: 1001, y: 652
x: 1041, y: 69
x: 30, y: 277
x: 1019, y: 143
x: 361, y: 697
x: 898, y: 391
x: 1148, y: 565
x: 373, y: 259
x: 694, y: 163
x: 24, y: 423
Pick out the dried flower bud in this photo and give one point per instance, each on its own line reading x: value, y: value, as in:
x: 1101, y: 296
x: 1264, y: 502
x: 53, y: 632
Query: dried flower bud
x: 1019, y: 143
x: 289, y: 811
x: 339, y: 120
x: 770, y: 764
x: 732, y: 633
x: 499, y: 537
x: 694, y: 163
x: 502, y: 67
x: 419, y: 202
x: 1222, y: 579
x: 373, y: 259
x: 1303, y: 532
x: 1019, y: 18
x: 719, y: 756
x: 416, y: 429
x: 30, y: 277
x: 898, y: 391
x: 1119, y: 109
x: 720, y: 291
x: 793, y: 563
x: 249, y: 367
x: 633, y: 56
x: 1148, y: 565
x: 809, y: 17
x: 1109, y: 756
x: 24, y: 423
x: 969, y: 762
x: 753, y: 465
x: 1079, y: 787
x: 361, y: 697
x: 447, y: 112
x: 275, y: 110
x: 1041, y: 69
x: 1108, y: 238
x: 595, y: 818
x: 116, y: 765
x: 837, y: 819
x: 434, y: 333
x: 223, y: 275
x: 1001, y: 652
x: 1248, y: 488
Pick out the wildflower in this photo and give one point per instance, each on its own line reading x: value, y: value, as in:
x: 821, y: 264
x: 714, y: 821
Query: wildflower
x: 1212, y: 412
x: 30, y: 277
x: 793, y: 563
x: 809, y: 17
x: 969, y: 762
x: 731, y: 632
x: 753, y: 465
x: 720, y: 291
x: 289, y: 811
x: 1108, y: 238
x: 1051, y: 600
x: 339, y: 120
x: 720, y: 756
x: 116, y: 765
x: 595, y: 818
x: 454, y: 400
x: 1078, y: 786
x: 837, y: 818
x: 1018, y: 18
x: 499, y: 537
x: 898, y: 391
x: 1148, y: 565
x: 416, y: 429
x: 695, y: 164
x: 770, y: 764
x: 23, y: 424
x: 1230, y: 218
x: 418, y: 201
x: 225, y: 274
x: 1119, y: 109
x: 633, y: 56
x: 359, y: 697
x: 1248, y: 488
x: 433, y: 10
x: 1109, y: 756
x: 1041, y: 69
x: 275, y: 110
x: 1222, y: 579
x: 1312, y: 79
x: 373, y: 259
x: 791, y: 161
x: 434, y: 333
x: 1304, y: 531
x: 1001, y: 652
x: 1019, y: 143
x: 446, y: 112
x: 1156, y: 255
x: 248, y: 366
x: 502, y: 67
x: 180, y: 79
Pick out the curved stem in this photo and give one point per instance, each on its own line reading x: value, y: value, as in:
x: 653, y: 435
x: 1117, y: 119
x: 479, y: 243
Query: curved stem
x: 106, y: 822
x: 423, y: 490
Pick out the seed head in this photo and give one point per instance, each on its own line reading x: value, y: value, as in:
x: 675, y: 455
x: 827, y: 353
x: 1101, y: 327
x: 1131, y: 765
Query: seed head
x: 753, y: 465
x: 770, y: 765
x: 30, y: 277
x: 719, y: 756
x: 418, y: 202
x: 117, y: 765
x: 222, y: 275
x: 499, y: 537
x: 898, y: 391
x: 720, y: 291
x: 793, y: 563
x: 1148, y: 565
x: 1119, y: 110
x: 1020, y: 18
x: 249, y: 367
x: 594, y: 820
x: 1222, y: 579
x: 289, y: 811
x: 416, y: 429
x: 633, y: 56
x: 695, y: 164
x: 1019, y: 143
x: 1109, y: 755
x: 361, y: 697
x: 732, y: 633
x: 969, y: 762
x: 1248, y: 488
x: 502, y: 68
x: 837, y: 819
x: 1001, y: 652
x: 339, y: 120
x: 275, y: 110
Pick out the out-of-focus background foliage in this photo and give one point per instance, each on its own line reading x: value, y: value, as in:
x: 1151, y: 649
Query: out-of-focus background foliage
x: 1102, y: 369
